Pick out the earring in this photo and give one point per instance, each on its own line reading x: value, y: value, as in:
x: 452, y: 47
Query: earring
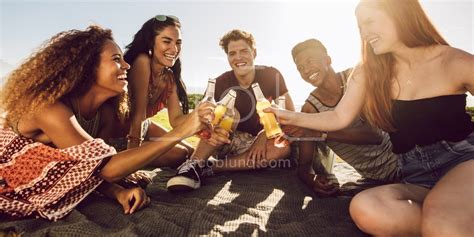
x: 149, y: 52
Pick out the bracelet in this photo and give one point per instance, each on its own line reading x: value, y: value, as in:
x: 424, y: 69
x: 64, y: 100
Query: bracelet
x: 324, y: 135
x: 134, y: 139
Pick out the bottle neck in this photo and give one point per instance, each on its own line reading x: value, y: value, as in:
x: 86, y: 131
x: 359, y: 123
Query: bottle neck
x: 230, y: 112
x: 258, y: 92
x: 231, y: 104
x: 225, y: 100
x: 209, y: 96
x: 281, y: 102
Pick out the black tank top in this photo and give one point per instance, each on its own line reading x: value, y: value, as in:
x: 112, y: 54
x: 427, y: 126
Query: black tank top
x: 426, y: 121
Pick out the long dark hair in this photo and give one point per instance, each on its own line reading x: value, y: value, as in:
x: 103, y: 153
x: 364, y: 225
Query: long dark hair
x: 144, y: 41
x: 415, y: 30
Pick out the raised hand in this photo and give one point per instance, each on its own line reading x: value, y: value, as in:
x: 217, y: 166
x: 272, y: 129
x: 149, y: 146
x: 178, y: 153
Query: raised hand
x: 206, y: 112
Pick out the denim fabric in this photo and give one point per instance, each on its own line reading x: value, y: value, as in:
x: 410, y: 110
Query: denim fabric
x: 426, y: 165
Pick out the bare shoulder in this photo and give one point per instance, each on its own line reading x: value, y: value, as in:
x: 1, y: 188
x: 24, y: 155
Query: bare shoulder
x: 308, y: 108
x: 139, y: 72
x: 357, y: 74
x: 453, y: 57
x: 56, y: 112
x: 58, y: 125
x: 459, y: 65
x: 142, y: 59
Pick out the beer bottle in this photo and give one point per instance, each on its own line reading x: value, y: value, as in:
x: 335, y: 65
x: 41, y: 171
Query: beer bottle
x: 229, y: 115
x: 221, y: 107
x: 281, y: 102
x: 209, y: 98
x: 268, y: 120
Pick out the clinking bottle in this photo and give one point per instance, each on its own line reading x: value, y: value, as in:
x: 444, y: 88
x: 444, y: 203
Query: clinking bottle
x: 281, y: 102
x: 209, y: 98
x: 268, y: 120
x: 229, y: 115
x: 221, y: 107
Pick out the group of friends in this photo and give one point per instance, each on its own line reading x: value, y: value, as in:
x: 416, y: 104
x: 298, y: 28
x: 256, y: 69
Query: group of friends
x: 77, y: 119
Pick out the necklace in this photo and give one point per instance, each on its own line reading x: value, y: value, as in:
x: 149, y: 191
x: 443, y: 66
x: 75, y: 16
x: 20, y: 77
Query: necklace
x: 91, y: 126
x: 155, y: 83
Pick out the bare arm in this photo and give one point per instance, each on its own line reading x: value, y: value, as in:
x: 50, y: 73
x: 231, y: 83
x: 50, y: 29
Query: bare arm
x: 175, y: 112
x: 139, y: 81
x: 131, y: 160
x: 461, y: 66
x: 62, y: 128
x: 306, y: 148
x: 360, y: 135
x: 346, y: 111
x: 289, y: 105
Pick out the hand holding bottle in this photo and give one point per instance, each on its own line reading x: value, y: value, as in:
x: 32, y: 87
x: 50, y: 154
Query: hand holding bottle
x: 268, y: 120
x: 205, y: 111
x: 218, y: 137
x: 285, y: 117
x: 196, y: 122
x: 208, y: 100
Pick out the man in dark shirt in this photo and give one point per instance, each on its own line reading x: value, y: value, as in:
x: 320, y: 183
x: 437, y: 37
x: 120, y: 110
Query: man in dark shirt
x: 248, y: 147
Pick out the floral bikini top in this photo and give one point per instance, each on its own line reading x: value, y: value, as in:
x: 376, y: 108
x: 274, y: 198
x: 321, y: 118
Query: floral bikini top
x: 155, y: 105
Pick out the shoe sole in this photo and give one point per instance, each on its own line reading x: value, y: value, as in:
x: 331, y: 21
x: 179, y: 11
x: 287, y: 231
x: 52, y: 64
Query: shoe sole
x: 182, y: 184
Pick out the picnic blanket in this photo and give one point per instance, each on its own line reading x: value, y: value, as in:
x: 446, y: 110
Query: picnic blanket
x: 270, y: 202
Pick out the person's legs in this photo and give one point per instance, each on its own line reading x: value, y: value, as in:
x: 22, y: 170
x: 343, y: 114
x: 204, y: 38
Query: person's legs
x: 323, y: 159
x: 188, y: 176
x: 189, y: 173
x: 173, y: 157
x: 403, y: 210
x: 243, y: 162
x: 448, y: 209
x: 389, y: 210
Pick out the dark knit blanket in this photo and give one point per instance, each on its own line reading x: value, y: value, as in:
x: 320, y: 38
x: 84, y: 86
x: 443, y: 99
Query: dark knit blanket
x: 271, y: 202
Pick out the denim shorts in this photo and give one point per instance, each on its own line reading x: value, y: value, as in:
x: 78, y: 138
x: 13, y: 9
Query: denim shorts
x: 426, y: 165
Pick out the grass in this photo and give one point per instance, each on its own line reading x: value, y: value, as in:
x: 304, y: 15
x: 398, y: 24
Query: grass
x: 162, y: 119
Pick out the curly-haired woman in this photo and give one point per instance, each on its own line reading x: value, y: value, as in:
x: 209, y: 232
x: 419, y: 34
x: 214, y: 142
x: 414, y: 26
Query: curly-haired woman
x: 49, y: 159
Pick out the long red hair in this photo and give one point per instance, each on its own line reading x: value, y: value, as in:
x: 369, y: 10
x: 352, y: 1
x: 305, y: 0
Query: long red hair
x: 414, y: 29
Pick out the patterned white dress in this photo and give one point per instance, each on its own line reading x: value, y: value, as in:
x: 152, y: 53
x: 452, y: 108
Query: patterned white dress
x: 41, y: 181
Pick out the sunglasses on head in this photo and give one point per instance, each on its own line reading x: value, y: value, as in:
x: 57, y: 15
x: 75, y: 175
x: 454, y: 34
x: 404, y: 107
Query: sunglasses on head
x: 164, y: 17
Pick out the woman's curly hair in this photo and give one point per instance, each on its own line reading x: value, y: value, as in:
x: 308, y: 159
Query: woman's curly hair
x: 63, y: 67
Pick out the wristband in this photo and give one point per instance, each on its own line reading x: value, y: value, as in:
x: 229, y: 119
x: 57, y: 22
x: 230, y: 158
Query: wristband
x: 134, y: 139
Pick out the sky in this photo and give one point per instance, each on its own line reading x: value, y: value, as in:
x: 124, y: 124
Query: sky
x: 276, y: 25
